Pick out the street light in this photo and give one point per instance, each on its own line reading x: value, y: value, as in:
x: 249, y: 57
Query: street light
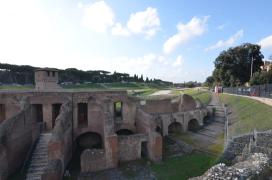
x: 251, y: 70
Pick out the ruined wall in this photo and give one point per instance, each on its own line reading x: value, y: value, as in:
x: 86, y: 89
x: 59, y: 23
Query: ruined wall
x: 242, y: 146
x: 130, y: 147
x: 145, y: 124
x: 157, y: 106
x: 15, y: 140
x: 256, y: 166
x: 92, y: 160
x: 60, y: 144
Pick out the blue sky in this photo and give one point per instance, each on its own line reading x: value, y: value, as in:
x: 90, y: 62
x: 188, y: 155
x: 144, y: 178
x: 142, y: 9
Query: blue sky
x: 172, y: 40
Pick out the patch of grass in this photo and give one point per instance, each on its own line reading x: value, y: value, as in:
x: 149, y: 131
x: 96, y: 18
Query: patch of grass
x: 247, y: 114
x: 184, y: 167
x: 84, y: 86
x: 218, y: 148
x: 185, y: 137
x: 203, y: 95
x: 19, y: 87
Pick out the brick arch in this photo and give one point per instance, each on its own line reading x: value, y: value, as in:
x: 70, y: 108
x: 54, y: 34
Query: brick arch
x: 193, y: 125
x: 89, y: 140
x: 174, y: 127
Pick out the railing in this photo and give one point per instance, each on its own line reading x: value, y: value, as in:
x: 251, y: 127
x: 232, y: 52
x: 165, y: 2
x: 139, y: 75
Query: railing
x: 264, y: 90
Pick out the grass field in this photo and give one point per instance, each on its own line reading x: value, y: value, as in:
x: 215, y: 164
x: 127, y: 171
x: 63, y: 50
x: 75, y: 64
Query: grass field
x: 9, y: 87
x: 184, y: 167
x: 247, y: 114
x: 203, y: 95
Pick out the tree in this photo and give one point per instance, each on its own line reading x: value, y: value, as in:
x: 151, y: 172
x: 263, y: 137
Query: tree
x: 233, y: 67
x: 261, y: 78
x: 209, y: 81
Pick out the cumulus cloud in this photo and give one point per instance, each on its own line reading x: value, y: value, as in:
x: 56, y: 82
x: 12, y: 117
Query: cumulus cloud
x: 266, y: 43
x: 230, y: 41
x: 178, y: 62
x: 98, y: 16
x: 195, y: 27
x: 144, y: 22
x: 119, y: 30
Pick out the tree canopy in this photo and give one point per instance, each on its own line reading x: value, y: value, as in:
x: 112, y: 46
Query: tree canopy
x: 233, y: 67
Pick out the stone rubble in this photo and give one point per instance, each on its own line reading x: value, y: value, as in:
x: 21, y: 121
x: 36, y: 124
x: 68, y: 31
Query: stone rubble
x: 255, y: 166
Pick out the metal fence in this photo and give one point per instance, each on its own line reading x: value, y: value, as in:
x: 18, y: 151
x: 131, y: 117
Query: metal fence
x: 264, y: 90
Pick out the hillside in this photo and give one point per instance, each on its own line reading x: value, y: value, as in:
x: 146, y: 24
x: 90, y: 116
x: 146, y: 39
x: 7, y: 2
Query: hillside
x: 15, y: 74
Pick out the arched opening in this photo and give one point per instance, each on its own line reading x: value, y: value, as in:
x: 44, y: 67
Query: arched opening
x: 124, y: 132
x: 88, y: 140
x: 206, y: 119
x: 159, y: 130
x: 55, y: 112
x: 193, y: 125
x: 174, y: 128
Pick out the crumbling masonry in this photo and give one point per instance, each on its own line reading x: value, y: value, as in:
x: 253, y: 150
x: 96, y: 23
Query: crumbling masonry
x: 106, y: 127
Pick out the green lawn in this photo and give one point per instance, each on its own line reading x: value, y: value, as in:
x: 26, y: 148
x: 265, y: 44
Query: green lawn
x: 203, y: 95
x: 247, y: 114
x: 10, y: 87
x: 184, y: 167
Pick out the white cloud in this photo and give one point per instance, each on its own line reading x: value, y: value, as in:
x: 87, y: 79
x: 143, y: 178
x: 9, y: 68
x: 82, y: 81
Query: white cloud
x: 223, y: 44
x: 195, y: 27
x: 178, y: 62
x: 221, y: 27
x: 266, y: 43
x: 100, y: 17
x: 119, y: 30
x: 97, y: 16
x: 144, y: 22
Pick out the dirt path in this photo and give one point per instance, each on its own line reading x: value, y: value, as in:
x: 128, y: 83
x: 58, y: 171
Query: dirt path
x: 161, y: 92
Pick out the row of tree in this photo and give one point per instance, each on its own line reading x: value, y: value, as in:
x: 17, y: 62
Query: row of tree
x: 15, y: 74
x: 235, y: 67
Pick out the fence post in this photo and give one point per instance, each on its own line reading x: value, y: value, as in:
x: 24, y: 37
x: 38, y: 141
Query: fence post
x: 226, y: 126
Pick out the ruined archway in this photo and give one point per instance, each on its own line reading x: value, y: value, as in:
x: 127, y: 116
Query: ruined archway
x: 88, y: 140
x: 124, y: 132
x: 174, y: 128
x: 206, y: 119
x: 193, y: 125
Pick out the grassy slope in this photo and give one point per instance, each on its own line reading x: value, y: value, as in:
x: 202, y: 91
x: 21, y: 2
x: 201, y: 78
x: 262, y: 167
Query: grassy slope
x: 203, y: 96
x: 184, y: 167
x: 247, y: 114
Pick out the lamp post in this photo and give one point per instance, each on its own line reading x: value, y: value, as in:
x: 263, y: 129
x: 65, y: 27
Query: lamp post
x: 251, y: 69
x: 251, y: 73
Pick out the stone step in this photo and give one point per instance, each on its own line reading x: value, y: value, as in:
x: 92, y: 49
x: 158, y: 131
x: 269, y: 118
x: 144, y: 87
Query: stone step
x: 39, y: 158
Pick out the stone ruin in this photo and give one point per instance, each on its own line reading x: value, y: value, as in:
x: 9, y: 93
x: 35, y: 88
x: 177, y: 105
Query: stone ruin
x: 106, y: 127
x: 255, y: 166
x: 251, y: 156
